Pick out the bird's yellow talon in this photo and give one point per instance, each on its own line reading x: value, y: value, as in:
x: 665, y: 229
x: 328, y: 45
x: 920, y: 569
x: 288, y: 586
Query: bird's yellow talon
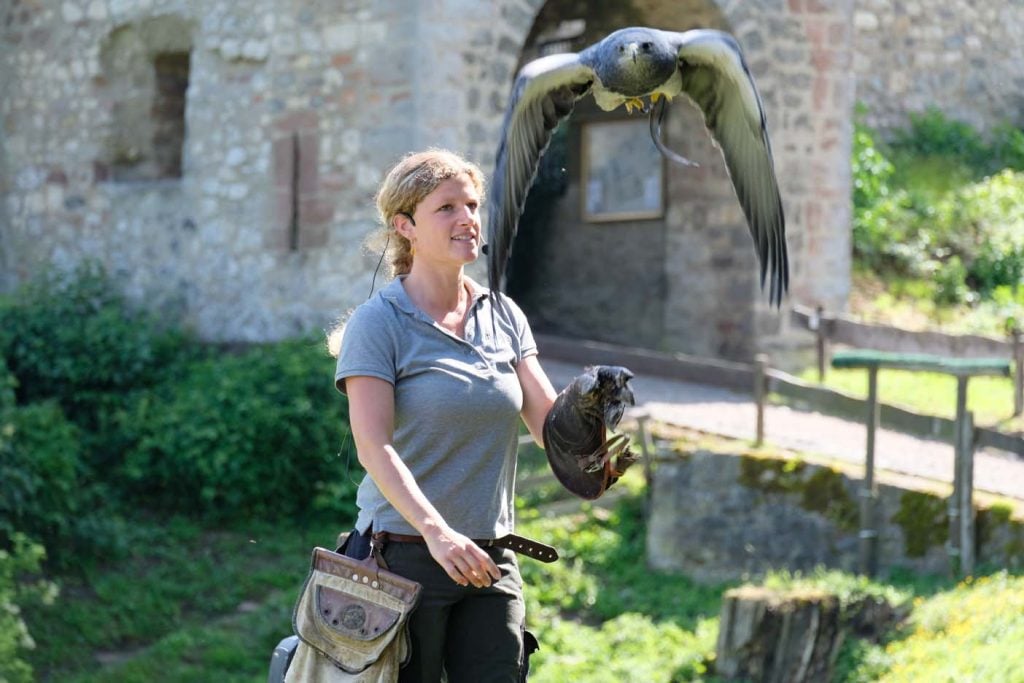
x: 635, y: 102
x: 655, y: 96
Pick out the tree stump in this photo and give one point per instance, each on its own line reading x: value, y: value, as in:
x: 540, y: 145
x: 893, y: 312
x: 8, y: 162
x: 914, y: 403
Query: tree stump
x: 772, y: 637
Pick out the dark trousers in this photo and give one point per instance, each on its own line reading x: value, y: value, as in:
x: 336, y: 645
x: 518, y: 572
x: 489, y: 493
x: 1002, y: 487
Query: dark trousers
x: 462, y: 634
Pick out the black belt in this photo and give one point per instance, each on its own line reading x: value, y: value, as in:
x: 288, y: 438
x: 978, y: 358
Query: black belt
x: 518, y: 544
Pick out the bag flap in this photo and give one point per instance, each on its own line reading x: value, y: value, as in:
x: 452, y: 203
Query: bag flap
x: 353, y: 616
x: 352, y: 611
x: 367, y: 572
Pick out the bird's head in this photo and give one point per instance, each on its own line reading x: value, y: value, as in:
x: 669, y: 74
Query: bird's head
x: 635, y: 61
x: 605, y: 389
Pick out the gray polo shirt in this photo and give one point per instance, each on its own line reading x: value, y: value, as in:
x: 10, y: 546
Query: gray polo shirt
x: 457, y: 405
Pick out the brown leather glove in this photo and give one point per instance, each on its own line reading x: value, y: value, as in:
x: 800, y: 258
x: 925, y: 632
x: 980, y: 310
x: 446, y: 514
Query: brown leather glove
x: 581, y: 455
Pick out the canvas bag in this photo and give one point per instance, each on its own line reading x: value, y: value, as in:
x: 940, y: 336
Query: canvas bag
x: 351, y: 620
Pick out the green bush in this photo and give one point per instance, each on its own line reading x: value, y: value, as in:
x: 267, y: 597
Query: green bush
x: 45, y: 492
x: 885, y: 224
x: 40, y: 469
x: 979, y: 236
x: 73, y: 337
x: 7, y: 385
x: 967, y: 240
x: 255, y: 434
x: 932, y: 133
x: 970, y: 633
x: 23, y: 559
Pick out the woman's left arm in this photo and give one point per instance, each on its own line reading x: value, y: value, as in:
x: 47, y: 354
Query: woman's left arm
x: 538, y: 396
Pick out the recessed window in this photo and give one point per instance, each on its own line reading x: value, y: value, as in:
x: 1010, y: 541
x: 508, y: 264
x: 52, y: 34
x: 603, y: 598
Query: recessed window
x: 146, y: 73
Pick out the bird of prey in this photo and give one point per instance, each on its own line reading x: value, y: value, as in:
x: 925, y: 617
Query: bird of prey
x: 629, y: 64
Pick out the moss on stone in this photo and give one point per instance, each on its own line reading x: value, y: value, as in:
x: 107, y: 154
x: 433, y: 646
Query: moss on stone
x: 924, y: 520
x: 821, y: 489
x: 987, y: 520
x: 771, y: 475
x: 825, y: 492
x: 999, y: 516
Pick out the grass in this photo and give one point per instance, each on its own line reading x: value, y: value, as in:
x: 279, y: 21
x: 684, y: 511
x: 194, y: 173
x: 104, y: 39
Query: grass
x: 910, y: 304
x: 905, y: 304
x: 203, y: 605
x: 971, y: 632
x: 990, y: 398
x: 159, y: 602
x: 600, y: 598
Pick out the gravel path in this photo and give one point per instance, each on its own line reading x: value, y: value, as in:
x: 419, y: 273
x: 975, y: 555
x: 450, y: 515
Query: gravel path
x: 721, y: 411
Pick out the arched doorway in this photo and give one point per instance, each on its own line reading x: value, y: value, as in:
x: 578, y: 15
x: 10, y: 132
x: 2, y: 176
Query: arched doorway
x: 679, y: 274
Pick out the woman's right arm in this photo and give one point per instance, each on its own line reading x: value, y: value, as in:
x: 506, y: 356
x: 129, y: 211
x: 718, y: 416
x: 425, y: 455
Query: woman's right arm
x: 371, y: 406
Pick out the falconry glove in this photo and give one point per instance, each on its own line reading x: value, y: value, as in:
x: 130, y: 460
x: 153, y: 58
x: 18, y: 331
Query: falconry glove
x: 581, y: 455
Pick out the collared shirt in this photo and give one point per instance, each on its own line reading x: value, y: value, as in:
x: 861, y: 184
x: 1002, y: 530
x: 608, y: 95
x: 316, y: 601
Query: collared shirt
x: 457, y: 405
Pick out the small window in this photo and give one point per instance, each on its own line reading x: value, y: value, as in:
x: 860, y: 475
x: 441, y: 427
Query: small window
x: 171, y: 72
x: 146, y: 75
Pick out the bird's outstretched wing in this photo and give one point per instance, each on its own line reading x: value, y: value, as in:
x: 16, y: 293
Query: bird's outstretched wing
x: 545, y: 92
x: 715, y: 76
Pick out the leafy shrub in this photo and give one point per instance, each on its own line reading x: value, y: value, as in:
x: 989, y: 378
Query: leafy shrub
x: 73, y: 337
x: 885, y: 235
x: 970, y: 633
x: 872, y: 171
x: 982, y: 225
x: 7, y: 385
x: 39, y: 471
x: 968, y: 241
x: 24, y: 558
x: 45, y: 492
x: 932, y: 133
x: 252, y: 434
x: 1007, y: 148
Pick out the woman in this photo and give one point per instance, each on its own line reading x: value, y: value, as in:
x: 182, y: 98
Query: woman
x: 437, y: 378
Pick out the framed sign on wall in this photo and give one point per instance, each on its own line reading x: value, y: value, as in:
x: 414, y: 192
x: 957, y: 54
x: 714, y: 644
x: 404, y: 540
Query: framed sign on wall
x: 623, y: 172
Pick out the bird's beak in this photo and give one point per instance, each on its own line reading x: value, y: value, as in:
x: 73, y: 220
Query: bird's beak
x: 634, y: 50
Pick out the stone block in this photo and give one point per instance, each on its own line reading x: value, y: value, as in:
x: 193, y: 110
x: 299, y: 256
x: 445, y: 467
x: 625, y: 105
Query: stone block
x: 717, y: 516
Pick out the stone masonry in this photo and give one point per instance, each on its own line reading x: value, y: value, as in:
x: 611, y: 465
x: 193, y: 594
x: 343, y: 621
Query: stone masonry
x: 720, y: 516
x: 960, y: 56
x: 293, y: 111
x: 220, y: 158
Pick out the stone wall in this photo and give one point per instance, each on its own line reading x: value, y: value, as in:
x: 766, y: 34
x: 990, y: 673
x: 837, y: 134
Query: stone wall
x: 251, y: 228
x: 293, y: 110
x: 720, y: 516
x: 960, y: 56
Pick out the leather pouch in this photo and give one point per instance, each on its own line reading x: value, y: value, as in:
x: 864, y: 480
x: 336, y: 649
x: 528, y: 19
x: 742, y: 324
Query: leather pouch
x: 353, y: 615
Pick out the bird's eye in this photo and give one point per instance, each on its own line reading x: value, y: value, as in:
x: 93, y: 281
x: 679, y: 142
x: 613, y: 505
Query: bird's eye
x: 646, y: 47
x: 622, y: 48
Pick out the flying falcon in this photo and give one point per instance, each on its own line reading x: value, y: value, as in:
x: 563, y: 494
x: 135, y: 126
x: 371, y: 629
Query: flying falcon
x: 630, y: 64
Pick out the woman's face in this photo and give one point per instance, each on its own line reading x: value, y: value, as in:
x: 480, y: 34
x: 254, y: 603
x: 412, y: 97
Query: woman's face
x: 447, y: 224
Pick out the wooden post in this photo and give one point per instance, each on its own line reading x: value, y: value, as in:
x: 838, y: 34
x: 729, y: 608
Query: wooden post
x: 760, y: 365
x: 1018, y: 372
x: 785, y: 636
x: 868, y: 493
x: 647, y: 448
x: 821, y: 342
x: 967, y: 540
x: 955, y: 549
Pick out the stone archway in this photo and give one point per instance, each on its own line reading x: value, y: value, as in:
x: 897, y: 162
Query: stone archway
x: 687, y: 281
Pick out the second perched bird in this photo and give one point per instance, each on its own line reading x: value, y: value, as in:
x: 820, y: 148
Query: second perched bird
x: 627, y: 65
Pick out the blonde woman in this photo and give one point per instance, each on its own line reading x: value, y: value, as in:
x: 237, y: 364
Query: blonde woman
x: 437, y: 377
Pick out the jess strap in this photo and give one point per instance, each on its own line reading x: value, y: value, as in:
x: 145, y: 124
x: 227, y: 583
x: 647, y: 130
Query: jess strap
x: 519, y: 544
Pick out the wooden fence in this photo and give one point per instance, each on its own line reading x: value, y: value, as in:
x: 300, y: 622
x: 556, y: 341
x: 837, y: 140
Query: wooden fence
x: 760, y: 380
x: 830, y: 329
x: 741, y: 377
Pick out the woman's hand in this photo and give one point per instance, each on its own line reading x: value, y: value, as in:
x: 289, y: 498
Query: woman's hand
x: 464, y: 561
